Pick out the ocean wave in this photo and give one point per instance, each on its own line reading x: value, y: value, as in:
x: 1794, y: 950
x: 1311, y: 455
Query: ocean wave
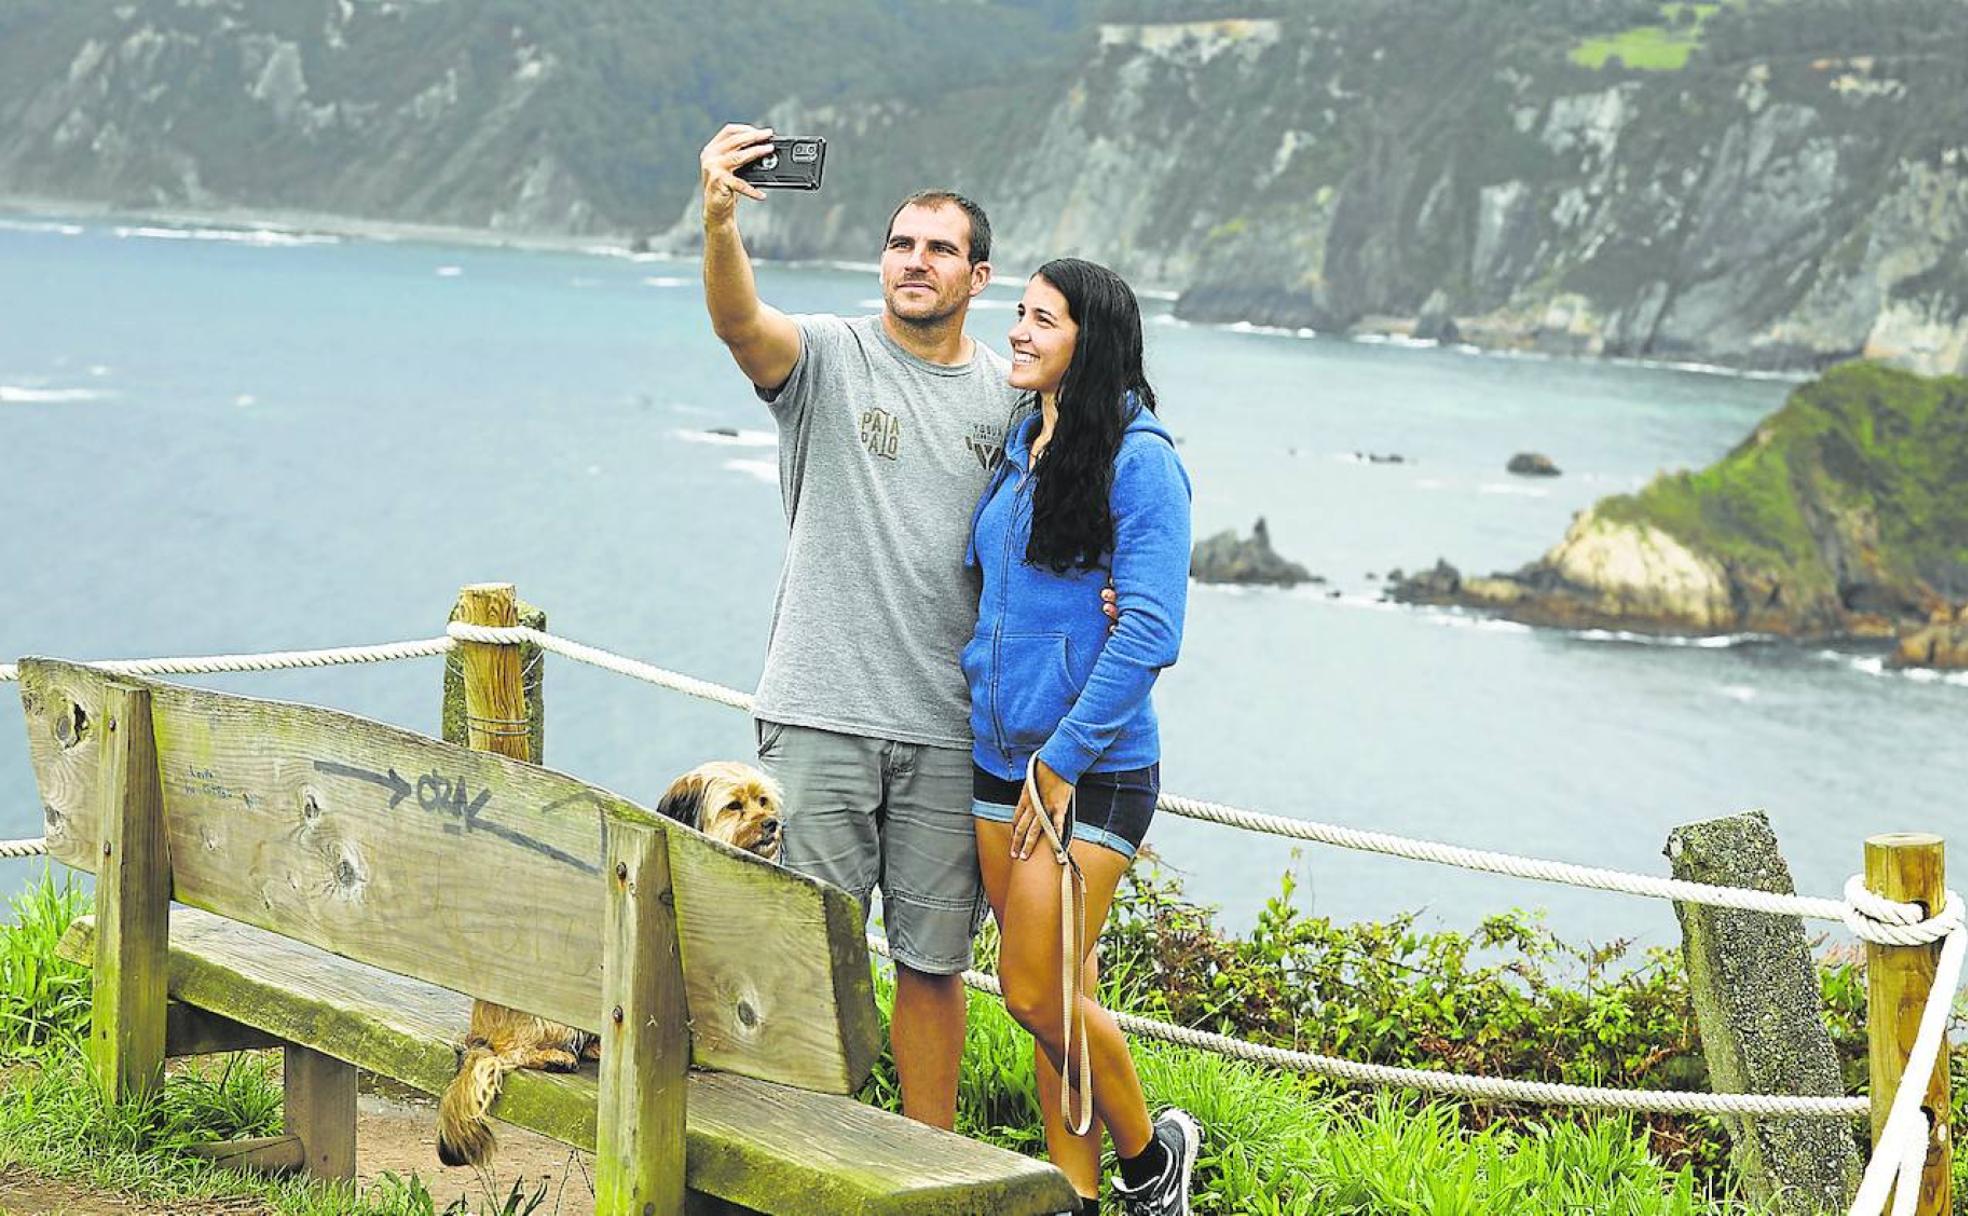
x: 47, y: 226
x: 1875, y: 665
x: 742, y: 439
x: 1403, y: 340
x: 450, y: 272
x: 14, y: 394
x: 762, y: 470
x: 267, y: 237
x: 1709, y: 369
x: 1738, y: 692
x: 664, y: 280
x: 1169, y: 318
x: 1502, y: 487
x: 1269, y: 331
x: 625, y: 253
x: 1711, y: 641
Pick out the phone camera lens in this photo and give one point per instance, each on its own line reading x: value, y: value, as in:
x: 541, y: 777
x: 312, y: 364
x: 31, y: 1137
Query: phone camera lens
x: 769, y: 161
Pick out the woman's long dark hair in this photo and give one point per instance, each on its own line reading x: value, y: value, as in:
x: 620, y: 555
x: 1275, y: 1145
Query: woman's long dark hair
x: 1072, y: 524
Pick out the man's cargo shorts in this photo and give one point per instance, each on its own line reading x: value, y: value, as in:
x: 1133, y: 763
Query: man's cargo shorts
x: 863, y: 813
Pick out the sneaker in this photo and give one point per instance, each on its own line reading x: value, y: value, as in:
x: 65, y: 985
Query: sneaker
x: 1167, y: 1195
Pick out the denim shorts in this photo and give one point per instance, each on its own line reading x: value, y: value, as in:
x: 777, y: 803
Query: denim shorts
x: 863, y: 813
x: 1112, y: 810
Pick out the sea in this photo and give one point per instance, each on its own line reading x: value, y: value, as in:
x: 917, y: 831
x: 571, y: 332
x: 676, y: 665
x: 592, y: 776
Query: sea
x: 223, y: 438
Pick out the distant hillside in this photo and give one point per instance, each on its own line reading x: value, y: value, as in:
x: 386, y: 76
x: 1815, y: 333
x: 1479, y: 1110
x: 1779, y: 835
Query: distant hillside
x: 1841, y: 515
x: 1757, y: 183
x: 552, y: 116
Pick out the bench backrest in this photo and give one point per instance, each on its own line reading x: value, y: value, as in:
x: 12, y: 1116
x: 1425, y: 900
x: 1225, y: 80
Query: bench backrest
x: 461, y: 868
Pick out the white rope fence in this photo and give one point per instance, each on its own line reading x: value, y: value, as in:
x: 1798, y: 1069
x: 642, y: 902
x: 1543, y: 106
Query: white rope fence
x: 1898, y: 1157
x: 1488, y: 1089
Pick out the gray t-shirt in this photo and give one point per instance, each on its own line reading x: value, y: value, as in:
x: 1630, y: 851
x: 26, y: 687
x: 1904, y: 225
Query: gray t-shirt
x: 882, y: 457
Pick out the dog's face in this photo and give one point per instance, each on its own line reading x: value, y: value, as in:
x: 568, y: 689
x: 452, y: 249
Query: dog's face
x: 728, y: 801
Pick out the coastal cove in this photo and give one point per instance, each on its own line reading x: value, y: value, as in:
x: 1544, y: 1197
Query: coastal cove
x: 218, y: 442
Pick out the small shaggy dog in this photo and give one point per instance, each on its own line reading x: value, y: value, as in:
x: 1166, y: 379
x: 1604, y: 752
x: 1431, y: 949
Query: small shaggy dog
x: 727, y: 801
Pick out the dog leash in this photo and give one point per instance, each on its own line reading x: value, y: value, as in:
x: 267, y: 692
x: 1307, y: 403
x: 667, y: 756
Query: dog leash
x: 1072, y: 955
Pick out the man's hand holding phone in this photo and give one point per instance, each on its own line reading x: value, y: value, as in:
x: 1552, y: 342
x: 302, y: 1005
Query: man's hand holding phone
x: 736, y: 146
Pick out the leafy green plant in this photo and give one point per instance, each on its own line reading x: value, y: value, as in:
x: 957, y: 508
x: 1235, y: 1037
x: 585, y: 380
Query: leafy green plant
x: 43, y: 1000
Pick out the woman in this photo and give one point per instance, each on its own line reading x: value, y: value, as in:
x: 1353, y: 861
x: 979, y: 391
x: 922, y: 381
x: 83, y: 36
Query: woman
x: 1090, y: 493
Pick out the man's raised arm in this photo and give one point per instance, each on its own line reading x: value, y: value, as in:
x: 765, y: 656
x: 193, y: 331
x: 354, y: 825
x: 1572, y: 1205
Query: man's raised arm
x: 763, y: 340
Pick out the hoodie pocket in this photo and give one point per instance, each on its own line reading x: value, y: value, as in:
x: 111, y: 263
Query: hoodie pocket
x: 1035, y: 688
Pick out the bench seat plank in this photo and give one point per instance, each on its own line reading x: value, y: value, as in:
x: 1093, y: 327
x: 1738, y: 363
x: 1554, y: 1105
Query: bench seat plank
x: 767, y: 1147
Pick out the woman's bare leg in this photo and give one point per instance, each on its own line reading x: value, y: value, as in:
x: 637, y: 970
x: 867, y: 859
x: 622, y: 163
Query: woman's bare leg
x: 1077, y: 1157
x: 1028, y: 966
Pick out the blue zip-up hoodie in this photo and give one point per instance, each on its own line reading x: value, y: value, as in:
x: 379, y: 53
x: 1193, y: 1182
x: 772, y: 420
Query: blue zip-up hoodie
x: 1045, y: 674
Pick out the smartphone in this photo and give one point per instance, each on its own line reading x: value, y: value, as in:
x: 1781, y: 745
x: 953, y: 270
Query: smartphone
x: 795, y: 163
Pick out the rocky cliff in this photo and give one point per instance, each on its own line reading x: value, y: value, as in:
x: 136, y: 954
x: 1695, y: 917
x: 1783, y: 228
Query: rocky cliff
x: 1782, y: 186
x: 1840, y: 516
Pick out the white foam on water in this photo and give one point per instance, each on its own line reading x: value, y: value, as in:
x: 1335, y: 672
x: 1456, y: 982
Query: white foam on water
x: 1431, y: 483
x: 450, y: 272
x: 265, y: 237
x: 14, y: 394
x: 1875, y: 665
x: 1497, y: 487
x: 743, y: 439
x: 1157, y: 293
x: 98, y: 369
x: 1169, y: 318
x: 583, y: 281
x: 1269, y: 331
x: 626, y: 254
x: 245, y: 399
x: 664, y: 280
x: 41, y: 226
x: 762, y: 470
x: 856, y: 267
x: 1469, y: 620
x: 982, y: 305
x: 1711, y: 641
x: 1738, y: 692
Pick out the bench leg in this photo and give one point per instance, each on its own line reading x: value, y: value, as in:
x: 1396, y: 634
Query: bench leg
x: 321, y: 1111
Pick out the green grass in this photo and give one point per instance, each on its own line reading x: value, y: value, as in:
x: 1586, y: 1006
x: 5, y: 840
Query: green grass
x: 1278, y: 1144
x: 1652, y: 48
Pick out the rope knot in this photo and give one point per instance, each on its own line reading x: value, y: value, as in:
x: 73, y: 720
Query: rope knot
x: 1886, y: 922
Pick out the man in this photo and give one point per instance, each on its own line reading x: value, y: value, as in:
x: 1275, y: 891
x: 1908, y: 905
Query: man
x: 889, y: 427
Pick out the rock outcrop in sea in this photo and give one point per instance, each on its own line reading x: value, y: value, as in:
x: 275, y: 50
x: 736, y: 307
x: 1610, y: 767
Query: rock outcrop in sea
x: 1839, y: 517
x: 1225, y: 558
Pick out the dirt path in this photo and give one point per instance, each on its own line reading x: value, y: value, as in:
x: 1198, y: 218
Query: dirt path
x: 395, y: 1133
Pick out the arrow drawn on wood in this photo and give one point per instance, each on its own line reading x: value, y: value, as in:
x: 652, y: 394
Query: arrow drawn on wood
x: 399, y: 788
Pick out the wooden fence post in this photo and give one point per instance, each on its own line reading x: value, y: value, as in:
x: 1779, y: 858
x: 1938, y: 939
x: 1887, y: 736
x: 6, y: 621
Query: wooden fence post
x: 133, y: 904
x: 495, y: 718
x: 532, y: 676
x: 1909, y: 867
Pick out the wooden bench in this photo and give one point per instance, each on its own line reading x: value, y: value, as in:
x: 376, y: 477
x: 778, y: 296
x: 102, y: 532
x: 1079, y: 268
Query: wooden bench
x: 340, y: 885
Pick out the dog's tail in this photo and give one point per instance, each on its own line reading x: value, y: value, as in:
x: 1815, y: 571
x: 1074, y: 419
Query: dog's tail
x: 464, y: 1126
